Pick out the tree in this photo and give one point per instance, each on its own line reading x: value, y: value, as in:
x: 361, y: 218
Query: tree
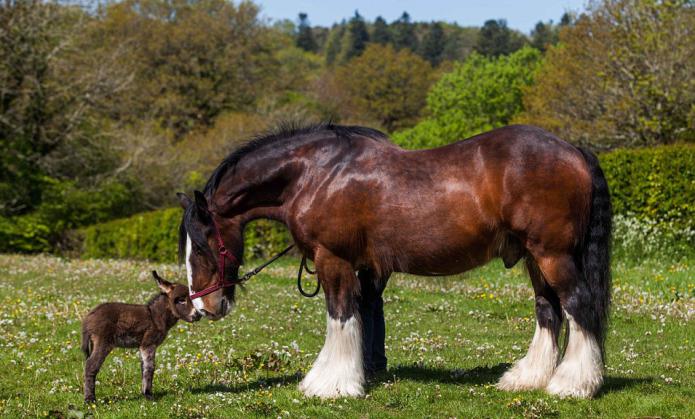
x: 54, y: 97
x: 433, y: 44
x: 622, y: 75
x: 305, y: 36
x: 355, y: 38
x: 380, y: 31
x: 567, y: 19
x: 460, y: 108
x: 495, y: 39
x: 543, y: 35
x: 403, y: 33
x: 185, y: 76
x: 334, y: 43
x: 387, y: 85
x: 459, y: 42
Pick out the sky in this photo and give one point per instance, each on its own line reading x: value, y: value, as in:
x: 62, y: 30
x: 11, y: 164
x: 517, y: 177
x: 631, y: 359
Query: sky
x: 520, y: 14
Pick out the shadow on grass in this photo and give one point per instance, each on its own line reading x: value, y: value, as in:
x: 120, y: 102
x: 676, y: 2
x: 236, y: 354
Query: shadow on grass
x: 258, y: 384
x: 477, y: 375
x: 473, y: 376
x: 615, y: 384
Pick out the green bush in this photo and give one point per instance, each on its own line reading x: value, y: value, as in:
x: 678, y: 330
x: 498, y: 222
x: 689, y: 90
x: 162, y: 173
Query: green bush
x: 64, y: 206
x: 154, y: 236
x: 655, y: 184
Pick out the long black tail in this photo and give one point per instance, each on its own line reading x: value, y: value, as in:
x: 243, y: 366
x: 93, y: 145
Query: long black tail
x: 86, y: 343
x: 596, y: 250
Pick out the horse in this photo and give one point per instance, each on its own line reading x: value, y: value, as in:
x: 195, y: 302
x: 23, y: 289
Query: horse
x: 361, y: 208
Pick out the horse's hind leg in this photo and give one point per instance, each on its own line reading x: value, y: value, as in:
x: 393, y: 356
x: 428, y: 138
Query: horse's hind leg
x: 535, y: 369
x: 580, y: 374
x: 338, y: 370
x: 371, y: 309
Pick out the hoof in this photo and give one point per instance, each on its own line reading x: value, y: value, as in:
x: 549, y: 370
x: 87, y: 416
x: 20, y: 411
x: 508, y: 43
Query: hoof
x: 567, y: 382
x: 521, y: 379
x: 331, y: 390
x: 525, y: 375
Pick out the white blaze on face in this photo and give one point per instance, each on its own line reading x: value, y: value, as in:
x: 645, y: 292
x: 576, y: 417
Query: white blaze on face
x: 197, y: 303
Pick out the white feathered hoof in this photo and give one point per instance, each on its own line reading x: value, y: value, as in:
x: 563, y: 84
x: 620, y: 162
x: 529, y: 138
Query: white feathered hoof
x: 580, y: 374
x: 567, y: 382
x: 535, y: 369
x: 522, y: 377
x: 338, y: 370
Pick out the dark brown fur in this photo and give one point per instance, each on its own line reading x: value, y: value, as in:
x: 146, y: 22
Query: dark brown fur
x: 353, y: 201
x: 119, y: 325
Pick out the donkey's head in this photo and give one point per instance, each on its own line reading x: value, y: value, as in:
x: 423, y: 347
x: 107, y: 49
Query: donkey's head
x: 199, y: 248
x: 178, y: 299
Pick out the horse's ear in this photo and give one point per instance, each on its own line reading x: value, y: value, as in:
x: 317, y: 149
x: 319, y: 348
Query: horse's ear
x: 163, y: 284
x: 184, y: 200
x: 200, y: 201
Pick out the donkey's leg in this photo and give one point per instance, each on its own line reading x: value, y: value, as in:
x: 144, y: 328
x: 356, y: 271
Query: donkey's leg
x: 99, y: 353
x: 580, y: 374
x: 147, y: 368
x: 338, y: 370
x: 535, y: 369
x: 371, y: 309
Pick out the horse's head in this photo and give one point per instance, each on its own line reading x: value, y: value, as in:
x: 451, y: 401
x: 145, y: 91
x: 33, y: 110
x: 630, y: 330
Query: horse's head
x: 199, y: 249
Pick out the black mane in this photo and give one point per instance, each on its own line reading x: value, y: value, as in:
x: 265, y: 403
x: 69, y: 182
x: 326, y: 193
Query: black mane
x: 283, y: 132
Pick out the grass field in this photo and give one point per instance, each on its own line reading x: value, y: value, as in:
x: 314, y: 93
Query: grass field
x: 449, y: 340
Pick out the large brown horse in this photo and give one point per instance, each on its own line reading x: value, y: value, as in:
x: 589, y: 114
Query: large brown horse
x: 355, y: 202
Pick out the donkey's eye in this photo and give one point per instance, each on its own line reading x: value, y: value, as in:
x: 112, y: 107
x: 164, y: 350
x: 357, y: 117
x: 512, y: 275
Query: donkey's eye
x: 180, y: 300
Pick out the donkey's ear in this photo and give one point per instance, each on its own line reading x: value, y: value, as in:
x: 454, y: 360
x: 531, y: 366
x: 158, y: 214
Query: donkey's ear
x: 200, y: 201
x: 163, y: 284
x: 184, y: 200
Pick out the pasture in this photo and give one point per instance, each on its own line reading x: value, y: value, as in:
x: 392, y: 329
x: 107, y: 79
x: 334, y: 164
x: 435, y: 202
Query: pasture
x: 449, y: 339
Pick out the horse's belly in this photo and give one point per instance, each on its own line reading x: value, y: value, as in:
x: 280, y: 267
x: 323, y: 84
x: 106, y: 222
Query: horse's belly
x: 449, y: 252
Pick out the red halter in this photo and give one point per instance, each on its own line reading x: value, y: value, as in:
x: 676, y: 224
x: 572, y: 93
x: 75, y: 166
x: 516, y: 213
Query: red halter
x: 221, y: 280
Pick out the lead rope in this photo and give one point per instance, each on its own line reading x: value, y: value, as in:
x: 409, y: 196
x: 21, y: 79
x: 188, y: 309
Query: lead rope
x: 302, y: 266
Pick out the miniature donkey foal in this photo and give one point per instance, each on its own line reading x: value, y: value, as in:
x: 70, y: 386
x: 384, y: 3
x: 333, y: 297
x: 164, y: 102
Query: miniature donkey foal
x: 112, y: 325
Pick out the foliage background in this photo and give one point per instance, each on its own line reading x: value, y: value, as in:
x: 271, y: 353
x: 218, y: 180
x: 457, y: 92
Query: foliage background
x: 106, y: 111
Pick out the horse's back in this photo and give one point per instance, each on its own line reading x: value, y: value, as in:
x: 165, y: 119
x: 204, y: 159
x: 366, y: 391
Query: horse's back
x: 464, y: 201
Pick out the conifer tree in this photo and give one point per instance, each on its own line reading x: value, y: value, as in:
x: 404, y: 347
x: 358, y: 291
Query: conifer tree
x: 433, y: 44
x: 403, y: 33
x: 380, y: 32
x: 305, y: 36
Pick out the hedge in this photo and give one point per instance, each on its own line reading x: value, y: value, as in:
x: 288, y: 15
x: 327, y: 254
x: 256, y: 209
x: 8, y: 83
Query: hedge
x: 654, y: 185
x: 154, y: 236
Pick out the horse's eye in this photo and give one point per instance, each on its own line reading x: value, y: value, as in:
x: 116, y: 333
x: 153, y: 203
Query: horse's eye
x: 180, y: 300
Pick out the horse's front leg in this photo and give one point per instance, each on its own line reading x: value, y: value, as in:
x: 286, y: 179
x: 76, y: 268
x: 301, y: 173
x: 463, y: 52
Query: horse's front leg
x: 338, y: 370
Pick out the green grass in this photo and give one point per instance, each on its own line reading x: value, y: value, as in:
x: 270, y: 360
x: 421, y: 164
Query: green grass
x: 449, y: 340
